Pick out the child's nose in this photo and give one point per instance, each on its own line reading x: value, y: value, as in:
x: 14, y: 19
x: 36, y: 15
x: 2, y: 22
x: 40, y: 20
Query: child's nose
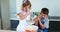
x: 43, y: 16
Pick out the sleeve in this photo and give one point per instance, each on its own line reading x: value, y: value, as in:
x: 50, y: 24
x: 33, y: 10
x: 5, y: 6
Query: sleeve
x: 20, y: 11
x: 46, y: 24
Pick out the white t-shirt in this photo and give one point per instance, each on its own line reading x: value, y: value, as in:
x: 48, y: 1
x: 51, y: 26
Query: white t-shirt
x: 46, y: 24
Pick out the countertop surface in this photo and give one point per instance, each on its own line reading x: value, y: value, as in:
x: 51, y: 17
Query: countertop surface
x: 49, y: 19
x: 7, y: 31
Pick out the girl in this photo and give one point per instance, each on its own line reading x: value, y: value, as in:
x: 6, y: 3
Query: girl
x: 24, y: 14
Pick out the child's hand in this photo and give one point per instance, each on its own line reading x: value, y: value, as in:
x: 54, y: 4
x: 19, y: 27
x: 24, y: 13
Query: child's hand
x: 28, y: 9
x: 39, y: 19
x: 27, y: 12
x: 36, y: 21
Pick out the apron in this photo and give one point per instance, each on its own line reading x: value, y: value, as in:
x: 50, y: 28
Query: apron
x: 22, y: 24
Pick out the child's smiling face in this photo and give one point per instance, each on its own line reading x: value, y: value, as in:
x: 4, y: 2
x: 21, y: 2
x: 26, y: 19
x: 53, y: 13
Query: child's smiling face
x: 43, y: 15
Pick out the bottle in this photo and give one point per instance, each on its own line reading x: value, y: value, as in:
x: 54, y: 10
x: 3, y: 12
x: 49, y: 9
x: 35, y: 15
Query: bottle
x: 38, y: 13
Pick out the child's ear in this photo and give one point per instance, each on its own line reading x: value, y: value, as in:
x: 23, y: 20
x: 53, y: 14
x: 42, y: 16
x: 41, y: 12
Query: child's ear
x: 47, y: 16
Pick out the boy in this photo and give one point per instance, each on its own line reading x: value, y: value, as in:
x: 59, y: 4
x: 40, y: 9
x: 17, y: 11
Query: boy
x: 42, y: 22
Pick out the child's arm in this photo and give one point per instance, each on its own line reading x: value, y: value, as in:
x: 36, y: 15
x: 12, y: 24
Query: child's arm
x: 21, y: 16
x: 36, y: 21
x: 41, y: 25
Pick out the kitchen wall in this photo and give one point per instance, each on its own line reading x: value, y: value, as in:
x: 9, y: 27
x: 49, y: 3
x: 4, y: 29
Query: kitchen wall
x: 52, y: 5
x: 12, y: 6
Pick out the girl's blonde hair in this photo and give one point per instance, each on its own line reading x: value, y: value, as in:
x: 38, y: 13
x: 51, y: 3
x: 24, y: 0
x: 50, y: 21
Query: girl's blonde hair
x: 26, y: 3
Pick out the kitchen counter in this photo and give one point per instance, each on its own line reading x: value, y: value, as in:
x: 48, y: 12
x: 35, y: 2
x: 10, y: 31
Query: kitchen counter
x: 50, y: 19
x: 53, y: 23
x: 7, y: 31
